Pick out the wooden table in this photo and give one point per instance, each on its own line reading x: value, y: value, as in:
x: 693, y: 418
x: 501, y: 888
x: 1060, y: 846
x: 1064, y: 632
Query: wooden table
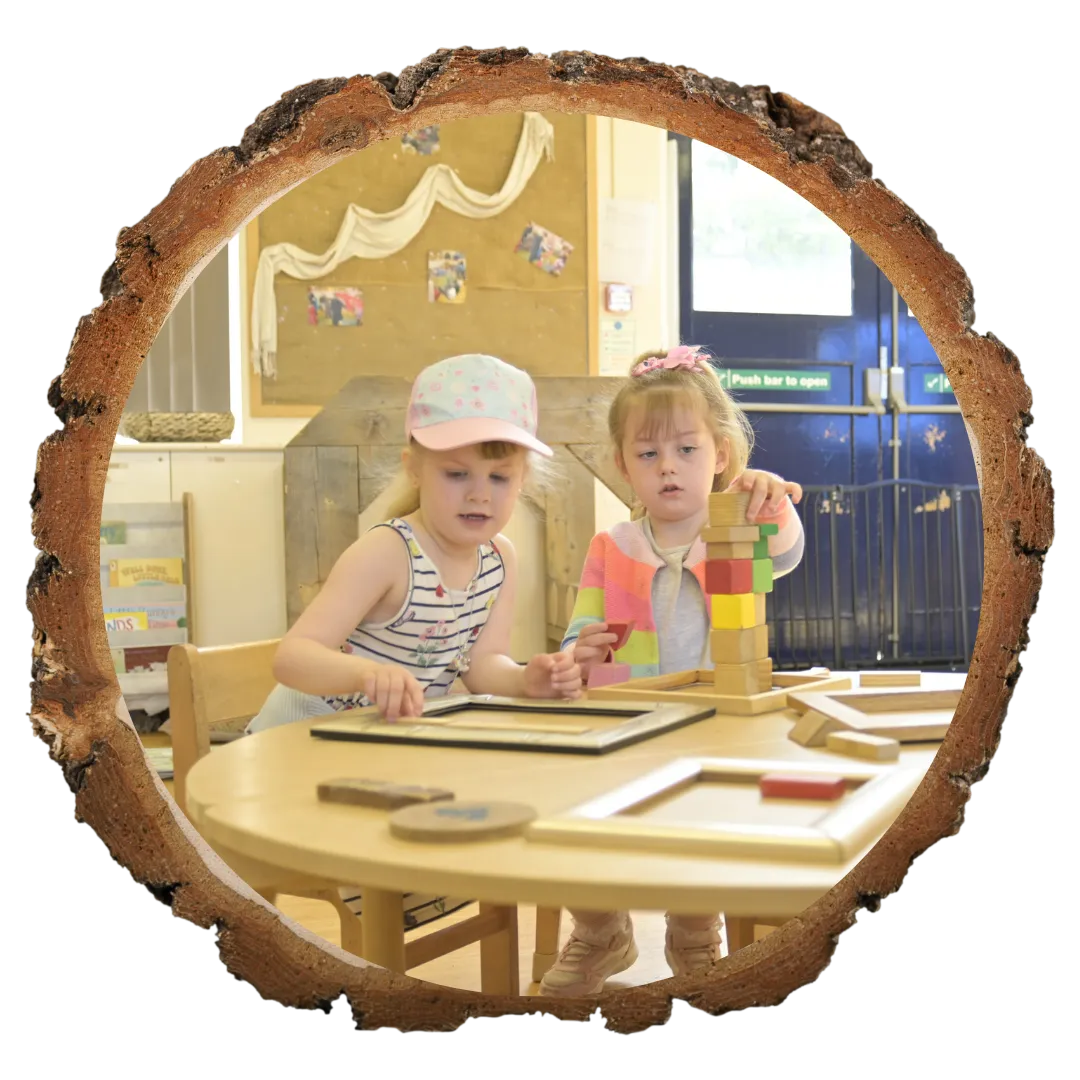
x: 255, y: 802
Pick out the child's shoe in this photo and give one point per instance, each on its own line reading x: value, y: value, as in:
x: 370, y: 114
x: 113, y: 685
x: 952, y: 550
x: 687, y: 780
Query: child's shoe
x: 588, y: 960
x: 687, y: 951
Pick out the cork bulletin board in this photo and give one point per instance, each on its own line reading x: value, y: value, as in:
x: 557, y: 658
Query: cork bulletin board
x: 530, y: 318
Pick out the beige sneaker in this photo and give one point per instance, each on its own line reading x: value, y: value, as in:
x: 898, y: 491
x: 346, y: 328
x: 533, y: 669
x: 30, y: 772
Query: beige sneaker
x: 687, y: 951
x: 585, y: 964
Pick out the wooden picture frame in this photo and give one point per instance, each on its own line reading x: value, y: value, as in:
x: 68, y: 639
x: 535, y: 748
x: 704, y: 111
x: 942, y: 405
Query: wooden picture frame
x: 906, y: 715
x: 695, y: 687
x: 841, y: 833
x: 438, y: 727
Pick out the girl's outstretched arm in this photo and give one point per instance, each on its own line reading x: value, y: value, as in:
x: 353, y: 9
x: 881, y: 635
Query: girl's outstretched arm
x: 491, y: 669
x: 772, y: 501
x: 370, y: 574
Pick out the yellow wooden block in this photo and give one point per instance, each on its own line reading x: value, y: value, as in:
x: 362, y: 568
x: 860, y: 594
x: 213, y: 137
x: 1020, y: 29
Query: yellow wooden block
x: 728, y: 551
x: 739, y: 646
x: 754, y: 677
x: 728, y: 508
x: 737, y: 611
x: 890, y: 678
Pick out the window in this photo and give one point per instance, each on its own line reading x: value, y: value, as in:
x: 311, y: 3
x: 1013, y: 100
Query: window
x: 760, y: 248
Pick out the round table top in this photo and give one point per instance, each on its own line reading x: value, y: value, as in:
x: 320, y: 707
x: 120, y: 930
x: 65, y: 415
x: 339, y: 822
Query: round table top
x: 256, y: 798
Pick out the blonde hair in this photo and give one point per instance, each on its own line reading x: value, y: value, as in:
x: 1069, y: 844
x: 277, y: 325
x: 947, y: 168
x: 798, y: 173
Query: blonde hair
x: 662, y: 390
x: 404, y: 495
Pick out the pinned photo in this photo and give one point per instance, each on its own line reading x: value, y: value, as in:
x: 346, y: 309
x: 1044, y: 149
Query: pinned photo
x: 423, y: 141
x: 337, y: 305
x: 544, y: 249
x: 446, y: 277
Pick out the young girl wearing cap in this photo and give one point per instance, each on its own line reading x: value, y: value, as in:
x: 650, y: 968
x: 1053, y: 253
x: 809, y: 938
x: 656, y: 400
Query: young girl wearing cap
x: 428, y: 596
x: 677, y: 436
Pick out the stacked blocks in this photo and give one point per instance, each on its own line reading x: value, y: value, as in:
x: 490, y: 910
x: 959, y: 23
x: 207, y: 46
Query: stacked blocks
x: 738, y: 575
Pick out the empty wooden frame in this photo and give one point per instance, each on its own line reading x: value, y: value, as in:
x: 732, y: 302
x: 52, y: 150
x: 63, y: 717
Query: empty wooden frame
x: 485, y: 722
x: 788, y: 829
x: 695, y: 687
x: 903, y: 715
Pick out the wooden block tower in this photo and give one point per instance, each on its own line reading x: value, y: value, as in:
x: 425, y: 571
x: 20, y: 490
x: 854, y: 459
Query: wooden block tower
x: 738, y: 574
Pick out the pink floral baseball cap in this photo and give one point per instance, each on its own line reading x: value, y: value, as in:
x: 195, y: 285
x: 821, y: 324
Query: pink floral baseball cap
x: 473, y: 399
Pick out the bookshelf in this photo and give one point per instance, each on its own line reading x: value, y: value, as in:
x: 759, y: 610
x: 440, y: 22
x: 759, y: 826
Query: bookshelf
x: 146, y: 594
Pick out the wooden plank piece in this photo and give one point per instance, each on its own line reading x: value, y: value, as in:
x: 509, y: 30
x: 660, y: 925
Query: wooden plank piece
x: 379, y: 794
x: 860, y: 745
x: 890, y: 678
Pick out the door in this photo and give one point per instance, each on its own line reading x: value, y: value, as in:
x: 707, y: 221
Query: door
x: 805, y: 329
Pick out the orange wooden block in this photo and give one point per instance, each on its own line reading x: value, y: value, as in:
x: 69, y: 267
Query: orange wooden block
x: 729, y: 576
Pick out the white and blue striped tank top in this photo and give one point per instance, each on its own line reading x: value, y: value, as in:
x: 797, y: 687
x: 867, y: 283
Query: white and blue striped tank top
x: 435, y: 628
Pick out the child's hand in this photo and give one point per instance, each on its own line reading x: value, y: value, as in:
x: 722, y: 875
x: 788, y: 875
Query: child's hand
x: 767, y: 492
x: 592, y: 646
x: 553, y: 675
x: 394, y: 690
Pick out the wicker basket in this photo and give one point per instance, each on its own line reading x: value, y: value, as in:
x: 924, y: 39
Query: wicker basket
x: 177, y: 427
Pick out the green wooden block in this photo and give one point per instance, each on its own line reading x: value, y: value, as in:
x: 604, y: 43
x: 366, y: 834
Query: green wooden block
x: 761, y: 549
x: 763, y: 575
x: 769, y: 530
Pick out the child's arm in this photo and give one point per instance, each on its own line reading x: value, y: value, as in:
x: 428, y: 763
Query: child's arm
x: 771, y: 502
x: 586, y: 638
x: 309, y: 657
x: 492, y: 671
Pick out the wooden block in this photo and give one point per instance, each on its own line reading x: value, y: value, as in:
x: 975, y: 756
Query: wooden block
x: 737, y: 611
x: 890, y: 678
x: 739, y: 646
x: 717, y: 550
x: 733, y: 534
x: 769, y: 530
x: 860, y: 745
x: 762, y: 580
x: 761, y: 549
x: 728, y: 507
x: 813, y: 728
x: 730, y: 576
x: 623, y: 630
x: 785, y: 786
x: 607, y: 674
x: 380, y: 794
x: 456, y: 822
x: 753, y: 677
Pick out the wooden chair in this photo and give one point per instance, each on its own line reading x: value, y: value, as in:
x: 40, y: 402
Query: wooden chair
x: 223, y: 687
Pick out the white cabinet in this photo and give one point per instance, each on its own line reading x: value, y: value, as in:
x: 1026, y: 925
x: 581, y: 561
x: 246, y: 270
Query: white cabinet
x: 238, y: 549
x: 138, y: 476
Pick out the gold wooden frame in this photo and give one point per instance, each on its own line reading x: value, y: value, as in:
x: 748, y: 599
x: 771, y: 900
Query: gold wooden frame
x: 825, y: 712
x: 644, y: 720
x: 677, y: 687
x: 836, y: 838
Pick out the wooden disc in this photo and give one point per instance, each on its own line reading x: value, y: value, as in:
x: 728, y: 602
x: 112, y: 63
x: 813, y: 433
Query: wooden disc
x: 454, y: 822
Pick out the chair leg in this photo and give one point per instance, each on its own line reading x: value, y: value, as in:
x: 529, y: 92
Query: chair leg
x: 269, y: 894
x: 547, y: 940
x: 499, y: 973
x: 740, y: 932
x: 352, y: 926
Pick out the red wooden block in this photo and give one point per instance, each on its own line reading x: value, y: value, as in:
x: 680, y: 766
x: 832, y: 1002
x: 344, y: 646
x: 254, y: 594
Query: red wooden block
x: 784, y: 786
x: 729, y: 576
x: 623, y: 630
x: 606, y: 674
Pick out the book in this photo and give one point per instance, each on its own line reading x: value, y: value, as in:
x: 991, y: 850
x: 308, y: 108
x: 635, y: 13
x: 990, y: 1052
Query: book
x: 126, y: 620
x: 150, y: 616
x: 114, y: 532
x: 159, y: 571
x: 147, y: 658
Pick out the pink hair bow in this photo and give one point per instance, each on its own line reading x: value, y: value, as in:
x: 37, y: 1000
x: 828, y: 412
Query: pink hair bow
x: 682, y: 356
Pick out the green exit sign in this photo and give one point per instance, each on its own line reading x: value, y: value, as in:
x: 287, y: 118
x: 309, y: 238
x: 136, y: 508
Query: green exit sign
x: 936, y: 383
x: 760, y: 379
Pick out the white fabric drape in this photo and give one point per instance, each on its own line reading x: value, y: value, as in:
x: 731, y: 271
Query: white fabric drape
x: 367, y: 235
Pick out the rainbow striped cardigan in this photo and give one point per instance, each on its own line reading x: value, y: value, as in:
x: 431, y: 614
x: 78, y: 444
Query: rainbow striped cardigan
x: 616, y: 585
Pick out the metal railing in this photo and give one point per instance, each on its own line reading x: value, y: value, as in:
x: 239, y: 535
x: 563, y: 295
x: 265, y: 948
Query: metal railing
x: 891, y: 576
